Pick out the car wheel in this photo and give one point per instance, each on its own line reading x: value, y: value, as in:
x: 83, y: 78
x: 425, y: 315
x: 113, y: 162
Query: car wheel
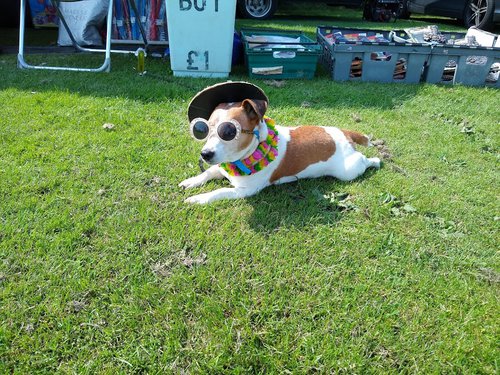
x: 404, y: 13
x: 373, y: 11
x: 479, y: 13
x: 257, y: 9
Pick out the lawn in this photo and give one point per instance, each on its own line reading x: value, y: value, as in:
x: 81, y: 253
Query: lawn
x: 104, y: 269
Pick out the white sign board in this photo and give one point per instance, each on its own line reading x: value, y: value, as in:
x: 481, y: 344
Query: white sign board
x: 200, y: 35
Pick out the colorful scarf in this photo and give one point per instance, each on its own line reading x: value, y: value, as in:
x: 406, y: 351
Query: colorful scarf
x: 265, y: 153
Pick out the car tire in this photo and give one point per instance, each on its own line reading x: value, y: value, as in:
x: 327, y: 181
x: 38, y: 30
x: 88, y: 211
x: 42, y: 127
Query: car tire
x: 404, y: 12
x: 372, y: 11
x: 257, y: 9
x: 479, y: 13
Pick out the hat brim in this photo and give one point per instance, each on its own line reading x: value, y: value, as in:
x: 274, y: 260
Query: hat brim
x: 204, y: 103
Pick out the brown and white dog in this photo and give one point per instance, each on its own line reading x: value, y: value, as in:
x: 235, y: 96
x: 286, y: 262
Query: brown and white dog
x: 302, y: 152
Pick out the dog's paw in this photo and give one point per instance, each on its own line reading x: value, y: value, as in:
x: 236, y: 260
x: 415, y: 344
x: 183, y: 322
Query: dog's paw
x: 198, y: 199
x: 374, y: 162
x: 192, y: 182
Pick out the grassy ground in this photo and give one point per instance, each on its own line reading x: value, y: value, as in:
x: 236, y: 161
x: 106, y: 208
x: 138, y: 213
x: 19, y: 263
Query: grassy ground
x: 104, y: 269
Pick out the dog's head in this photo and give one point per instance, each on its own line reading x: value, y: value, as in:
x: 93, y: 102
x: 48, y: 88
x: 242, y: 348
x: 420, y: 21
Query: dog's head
x: 227, y: 117
x: 233, y: 131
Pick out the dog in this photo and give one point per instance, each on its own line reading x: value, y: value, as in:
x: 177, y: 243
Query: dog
x: 252, y: 152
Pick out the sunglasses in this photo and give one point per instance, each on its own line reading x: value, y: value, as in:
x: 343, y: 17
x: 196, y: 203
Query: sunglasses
x: 226, y: 130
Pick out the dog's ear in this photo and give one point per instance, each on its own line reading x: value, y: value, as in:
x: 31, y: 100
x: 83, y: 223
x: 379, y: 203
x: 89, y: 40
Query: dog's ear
x: 255, y: 108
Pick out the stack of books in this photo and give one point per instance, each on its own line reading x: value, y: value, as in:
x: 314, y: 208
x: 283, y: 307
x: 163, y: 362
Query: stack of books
x: 152, y: 16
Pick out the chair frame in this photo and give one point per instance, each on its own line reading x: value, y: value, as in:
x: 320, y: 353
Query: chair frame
x: 105, y: 67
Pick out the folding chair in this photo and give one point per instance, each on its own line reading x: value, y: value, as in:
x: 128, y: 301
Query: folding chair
x: 105, y: 67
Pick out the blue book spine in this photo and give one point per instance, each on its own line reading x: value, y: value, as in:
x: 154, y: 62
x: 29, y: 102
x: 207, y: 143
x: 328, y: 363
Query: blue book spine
x: 120, y: 24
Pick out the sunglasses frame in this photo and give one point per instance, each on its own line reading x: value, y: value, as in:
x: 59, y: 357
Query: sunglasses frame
x: 239, y: 129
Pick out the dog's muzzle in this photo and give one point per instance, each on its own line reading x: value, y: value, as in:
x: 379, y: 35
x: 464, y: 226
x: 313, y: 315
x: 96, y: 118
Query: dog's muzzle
x: 207, y: 155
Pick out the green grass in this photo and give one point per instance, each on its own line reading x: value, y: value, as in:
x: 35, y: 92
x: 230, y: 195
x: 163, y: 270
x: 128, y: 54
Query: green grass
x: 104, y: 269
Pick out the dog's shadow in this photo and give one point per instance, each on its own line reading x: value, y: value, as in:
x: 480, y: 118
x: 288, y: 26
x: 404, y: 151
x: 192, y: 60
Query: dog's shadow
x: 301, y: 204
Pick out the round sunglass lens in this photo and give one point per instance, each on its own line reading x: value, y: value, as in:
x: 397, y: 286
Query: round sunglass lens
x: 200, y: 130
x: 227, y: 131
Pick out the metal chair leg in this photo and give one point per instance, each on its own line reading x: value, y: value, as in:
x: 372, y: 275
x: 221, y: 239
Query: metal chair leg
x: 105, y: 67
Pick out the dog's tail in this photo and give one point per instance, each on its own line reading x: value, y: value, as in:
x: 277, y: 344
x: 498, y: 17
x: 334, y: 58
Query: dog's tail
x: 355, y: 137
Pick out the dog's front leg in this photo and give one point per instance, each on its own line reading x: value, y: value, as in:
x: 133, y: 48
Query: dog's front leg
x: 224, y: 193
x: 211, y: 173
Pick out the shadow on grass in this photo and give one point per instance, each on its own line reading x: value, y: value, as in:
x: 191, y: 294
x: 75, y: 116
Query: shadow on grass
x: 320, y: 201
x: 429, y: 20
x: 159, y: 85
x: 445, y: 22
x: 327, y: 19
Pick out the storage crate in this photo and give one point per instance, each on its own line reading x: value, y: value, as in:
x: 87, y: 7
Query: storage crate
x: 372, y: 56
x: 268, y: 55
x: 468, y: 65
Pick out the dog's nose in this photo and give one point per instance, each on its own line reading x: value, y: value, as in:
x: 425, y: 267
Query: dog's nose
x: 207, y: 155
